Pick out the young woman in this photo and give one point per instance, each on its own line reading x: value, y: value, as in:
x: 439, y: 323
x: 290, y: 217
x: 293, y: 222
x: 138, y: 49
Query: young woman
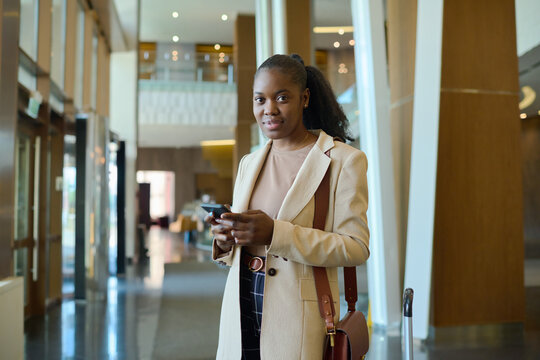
x: 270, y: 308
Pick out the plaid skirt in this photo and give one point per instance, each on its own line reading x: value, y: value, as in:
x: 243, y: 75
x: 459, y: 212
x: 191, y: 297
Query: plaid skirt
x: 251, y: 302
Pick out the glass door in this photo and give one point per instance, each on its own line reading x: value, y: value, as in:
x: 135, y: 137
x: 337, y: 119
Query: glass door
x: 25, y: 230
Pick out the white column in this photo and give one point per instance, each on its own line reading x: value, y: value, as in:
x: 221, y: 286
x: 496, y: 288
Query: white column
x: 123, y: 121
x: 425, y: 136
x: 279, y: 26
x: 263, y: 29
x: 375, y: 138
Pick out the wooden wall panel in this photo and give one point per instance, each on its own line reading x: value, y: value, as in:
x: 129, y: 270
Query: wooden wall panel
x: 479, y: 45
x: 478, y: 240
x: 299, y: 33
x: 185, y: 163
x: 87, y: 67
x: 44, y: 35
x: 9, y: 62
x: 245, y: 64
x: 71, y: 47
x: 216, y: 186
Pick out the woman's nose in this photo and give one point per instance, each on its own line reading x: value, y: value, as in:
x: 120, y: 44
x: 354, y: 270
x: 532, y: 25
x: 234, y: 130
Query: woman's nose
x: 270, y: 108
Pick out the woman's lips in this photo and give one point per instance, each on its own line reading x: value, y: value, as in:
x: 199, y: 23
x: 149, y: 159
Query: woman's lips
x: 272, y: 124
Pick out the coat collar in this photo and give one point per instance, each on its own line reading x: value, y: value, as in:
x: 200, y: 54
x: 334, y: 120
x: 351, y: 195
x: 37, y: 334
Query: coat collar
x: 305, y: 184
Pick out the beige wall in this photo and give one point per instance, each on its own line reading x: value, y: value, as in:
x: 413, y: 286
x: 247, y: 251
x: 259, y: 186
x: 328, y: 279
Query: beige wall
x: 401, y: 57
x: 12, y: 314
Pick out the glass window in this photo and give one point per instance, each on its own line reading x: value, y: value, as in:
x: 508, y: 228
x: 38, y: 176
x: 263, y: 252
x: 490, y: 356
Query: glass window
x: 22, y: 187
x: 29, y: 27
x: 27, y: 78
x: 79, y: 58
x: 58, y: 46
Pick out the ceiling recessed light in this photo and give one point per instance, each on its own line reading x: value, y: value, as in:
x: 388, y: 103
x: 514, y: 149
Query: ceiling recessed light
x: 351, y: 42
x: 224, y: 17
x: 341, y: 32
x: 175, y: 14
x: 523, y: 115
x: 175, y: 58
x: 217, y: 46
x: 221, y: 60
x: 336, y: 44
x: 221, y: 54
x: 175, y: 53
x: 175, y: 38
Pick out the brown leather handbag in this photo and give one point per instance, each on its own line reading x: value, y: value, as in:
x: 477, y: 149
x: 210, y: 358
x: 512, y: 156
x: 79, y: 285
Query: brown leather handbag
x: 349, y: 338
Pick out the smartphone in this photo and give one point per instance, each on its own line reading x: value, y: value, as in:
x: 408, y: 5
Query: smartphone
x: 217, y: 209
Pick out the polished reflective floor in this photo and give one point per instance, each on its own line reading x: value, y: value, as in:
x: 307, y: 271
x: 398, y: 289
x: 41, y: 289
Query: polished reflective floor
x: 152, y: 312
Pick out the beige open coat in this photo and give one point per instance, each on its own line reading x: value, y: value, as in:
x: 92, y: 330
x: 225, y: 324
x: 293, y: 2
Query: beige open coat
x: 291, y: 325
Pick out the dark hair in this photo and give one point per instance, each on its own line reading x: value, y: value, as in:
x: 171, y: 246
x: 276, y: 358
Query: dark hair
x: 323, y: 111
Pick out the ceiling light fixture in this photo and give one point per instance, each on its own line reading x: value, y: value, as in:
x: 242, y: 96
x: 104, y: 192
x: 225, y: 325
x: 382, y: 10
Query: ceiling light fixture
x: 217, y: 46
x: 175, y: 38
x: 523, y: 115
x: 336, y: 44
x: 221, y: 60
x: 351, y: 42
x: 332, y: 29
x: 221, y: 54
x: 175, y: 53
x: 224, y: 17
x: 341, y: 32
x: 175, y: 14
x: 343, y: 69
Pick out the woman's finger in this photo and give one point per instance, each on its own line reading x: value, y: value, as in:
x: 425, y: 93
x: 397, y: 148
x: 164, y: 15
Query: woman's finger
x: 242, y: 235
x: 236, y: 217
x: 228, y: 223
x: 210, y: 219
x: 221, y: 237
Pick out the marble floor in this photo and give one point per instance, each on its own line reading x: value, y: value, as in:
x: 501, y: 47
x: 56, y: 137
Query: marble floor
x: 125, y: 326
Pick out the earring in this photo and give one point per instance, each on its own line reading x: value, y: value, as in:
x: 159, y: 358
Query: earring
x: 305, y: 106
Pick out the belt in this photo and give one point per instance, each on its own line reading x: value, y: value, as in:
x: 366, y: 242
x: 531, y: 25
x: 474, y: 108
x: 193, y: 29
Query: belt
x: 254, y: 263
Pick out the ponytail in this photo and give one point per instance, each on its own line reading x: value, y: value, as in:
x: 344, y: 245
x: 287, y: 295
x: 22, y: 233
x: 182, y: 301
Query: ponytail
x: 323, y: 111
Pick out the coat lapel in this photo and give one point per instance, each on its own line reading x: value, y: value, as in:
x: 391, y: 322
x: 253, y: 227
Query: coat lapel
x: 249, y: 178
x: 308, y: 179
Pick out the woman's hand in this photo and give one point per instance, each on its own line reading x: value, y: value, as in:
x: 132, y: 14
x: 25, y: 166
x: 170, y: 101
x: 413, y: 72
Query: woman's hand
x: 250, y: 228
x: 221, y: 232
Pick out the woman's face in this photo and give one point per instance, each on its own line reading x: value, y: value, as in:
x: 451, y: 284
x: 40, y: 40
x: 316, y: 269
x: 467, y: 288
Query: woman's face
x: 278, y: 104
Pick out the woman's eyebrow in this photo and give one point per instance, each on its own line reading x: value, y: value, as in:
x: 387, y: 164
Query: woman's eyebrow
x: 277, y: 92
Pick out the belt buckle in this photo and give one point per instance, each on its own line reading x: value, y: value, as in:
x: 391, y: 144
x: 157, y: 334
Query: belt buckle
x: 250, y: 264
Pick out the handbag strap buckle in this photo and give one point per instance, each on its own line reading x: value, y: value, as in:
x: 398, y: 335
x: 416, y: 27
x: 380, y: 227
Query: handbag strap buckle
x: 331, y: 333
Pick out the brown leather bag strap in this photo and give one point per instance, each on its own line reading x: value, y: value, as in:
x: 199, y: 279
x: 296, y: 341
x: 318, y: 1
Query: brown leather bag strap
x: 351, y: 292
x: 322, y: 285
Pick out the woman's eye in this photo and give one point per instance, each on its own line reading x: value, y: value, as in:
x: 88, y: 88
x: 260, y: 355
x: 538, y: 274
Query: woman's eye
x: 258, y: 100
x: 282, y: 98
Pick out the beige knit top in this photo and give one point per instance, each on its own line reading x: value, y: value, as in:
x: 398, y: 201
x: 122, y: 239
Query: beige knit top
x: 276, y: 178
